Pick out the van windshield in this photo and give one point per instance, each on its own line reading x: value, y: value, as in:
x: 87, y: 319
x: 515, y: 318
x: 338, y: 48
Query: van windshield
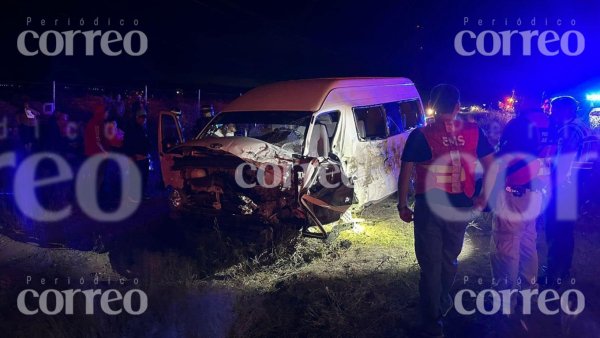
x: 285, y: 129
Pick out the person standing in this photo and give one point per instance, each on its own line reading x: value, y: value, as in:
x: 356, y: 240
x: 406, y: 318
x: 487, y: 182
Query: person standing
x: 94, y: 137
x: 207, y: 115
x: 523, y: 162
x: 444, y: 153
x: 137, y: 146
x: 118, y: 110
x: 94, y: 143
x: 561, y: 217
x: 114, y: 135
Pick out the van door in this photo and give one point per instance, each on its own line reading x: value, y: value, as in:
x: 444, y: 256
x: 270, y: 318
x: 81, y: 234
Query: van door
x: 326, y: 192
x: 369, y: 155
x: 169, y: 136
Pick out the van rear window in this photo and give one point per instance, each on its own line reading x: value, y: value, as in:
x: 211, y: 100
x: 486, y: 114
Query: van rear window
x: 411, y: 114
x: 401, y: 116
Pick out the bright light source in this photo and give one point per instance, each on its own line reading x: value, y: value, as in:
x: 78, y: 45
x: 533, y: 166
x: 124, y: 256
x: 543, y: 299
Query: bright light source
x: 593, y: 97
x: 357, y: 228
x: 430, y: 112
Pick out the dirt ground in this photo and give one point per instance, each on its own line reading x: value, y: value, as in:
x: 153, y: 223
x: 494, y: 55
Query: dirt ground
x: 204, y: 280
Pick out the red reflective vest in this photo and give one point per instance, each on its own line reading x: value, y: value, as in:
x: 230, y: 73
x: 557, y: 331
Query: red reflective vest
x: 538, y: 169
x: 451, y: 169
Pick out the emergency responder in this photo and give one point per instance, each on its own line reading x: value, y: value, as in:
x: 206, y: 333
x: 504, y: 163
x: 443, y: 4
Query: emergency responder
x: 445, y: 154
x: 523, y: 161
x: 561, y: 216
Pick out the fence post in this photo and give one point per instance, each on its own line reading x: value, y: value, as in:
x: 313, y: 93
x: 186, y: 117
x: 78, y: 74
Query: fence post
x: 53, y: 96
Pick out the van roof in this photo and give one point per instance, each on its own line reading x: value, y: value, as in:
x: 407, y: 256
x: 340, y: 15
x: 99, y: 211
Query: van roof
x: 303, y: 95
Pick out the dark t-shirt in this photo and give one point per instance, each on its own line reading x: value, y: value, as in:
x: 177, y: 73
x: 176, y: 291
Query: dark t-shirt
x: 519, y: 136
x: 418, y: 150
x: 136, y: 140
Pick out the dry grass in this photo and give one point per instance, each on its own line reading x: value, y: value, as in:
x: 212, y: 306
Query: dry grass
x: 363, y: 284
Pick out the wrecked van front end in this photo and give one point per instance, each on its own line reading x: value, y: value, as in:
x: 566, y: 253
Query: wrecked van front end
x: 249, y: 169
x: 224, y: 178
x: 299, y: 141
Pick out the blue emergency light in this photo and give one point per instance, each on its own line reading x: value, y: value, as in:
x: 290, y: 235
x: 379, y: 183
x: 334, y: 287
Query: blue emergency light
x: 593, y: 97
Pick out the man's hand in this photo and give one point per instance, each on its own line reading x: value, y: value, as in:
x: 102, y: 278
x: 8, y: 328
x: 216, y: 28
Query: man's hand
x: 406, y: 214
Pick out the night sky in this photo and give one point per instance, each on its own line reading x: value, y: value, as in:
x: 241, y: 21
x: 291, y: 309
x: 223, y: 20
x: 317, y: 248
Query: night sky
x: 246, y: 43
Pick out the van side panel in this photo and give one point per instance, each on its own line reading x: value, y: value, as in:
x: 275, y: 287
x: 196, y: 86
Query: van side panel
x: 374, y: 164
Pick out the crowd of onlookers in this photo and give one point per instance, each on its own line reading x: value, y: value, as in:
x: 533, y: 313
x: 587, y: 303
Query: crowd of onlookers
x: 29, y: 130
x: 113, y: 127
x: 92, y: 126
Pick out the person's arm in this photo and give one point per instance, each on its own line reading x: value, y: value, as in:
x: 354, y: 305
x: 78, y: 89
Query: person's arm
x: 406, y: 169
x: 415, y: 150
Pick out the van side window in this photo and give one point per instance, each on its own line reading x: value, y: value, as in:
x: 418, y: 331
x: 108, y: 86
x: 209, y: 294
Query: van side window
x: 395, y: 122
x: 411, y: 113
x: 370, y: 123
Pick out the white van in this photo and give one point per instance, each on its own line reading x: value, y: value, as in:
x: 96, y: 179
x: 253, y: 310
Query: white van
x: 350, y: 130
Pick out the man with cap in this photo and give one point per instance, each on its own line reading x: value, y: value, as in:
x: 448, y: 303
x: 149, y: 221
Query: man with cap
x: 207, y: 114
x: 137, y: 146
x: 444, y: 154
x: 563, y: 207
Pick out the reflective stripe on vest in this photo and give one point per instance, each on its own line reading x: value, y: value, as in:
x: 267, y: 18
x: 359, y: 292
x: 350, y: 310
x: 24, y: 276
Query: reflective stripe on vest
x: 451, y: 171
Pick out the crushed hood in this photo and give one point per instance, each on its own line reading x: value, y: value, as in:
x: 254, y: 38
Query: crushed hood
x: 246, y: 148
